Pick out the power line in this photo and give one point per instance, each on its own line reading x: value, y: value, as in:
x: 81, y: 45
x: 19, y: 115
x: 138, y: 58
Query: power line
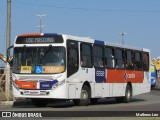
x: 87, y: 9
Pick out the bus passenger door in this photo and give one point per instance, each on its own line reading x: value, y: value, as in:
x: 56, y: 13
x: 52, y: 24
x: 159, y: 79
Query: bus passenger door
x: 72, y: 57
x: 72, y: 67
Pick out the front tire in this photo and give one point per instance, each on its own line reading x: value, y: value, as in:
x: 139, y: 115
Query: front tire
x: 84, y: 98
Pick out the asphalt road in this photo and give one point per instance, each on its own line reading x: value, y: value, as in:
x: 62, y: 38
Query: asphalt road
x: 143, y: 104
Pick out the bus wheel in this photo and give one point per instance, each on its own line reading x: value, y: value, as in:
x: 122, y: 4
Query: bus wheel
x: 127, y: 97
x: 84, y: 98
x: 39, y: 102
x: 128, y: 94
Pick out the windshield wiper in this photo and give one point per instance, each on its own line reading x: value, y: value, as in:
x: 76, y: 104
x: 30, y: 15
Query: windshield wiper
x: 50, y: 46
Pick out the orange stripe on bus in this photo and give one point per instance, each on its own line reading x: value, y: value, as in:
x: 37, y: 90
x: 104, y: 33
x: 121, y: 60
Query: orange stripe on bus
x: 33, y: 34
x: 26, y: 85
x: 124, y: 76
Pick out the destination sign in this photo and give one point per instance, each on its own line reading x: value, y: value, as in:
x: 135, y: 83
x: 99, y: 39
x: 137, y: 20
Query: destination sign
x: 39, y: 39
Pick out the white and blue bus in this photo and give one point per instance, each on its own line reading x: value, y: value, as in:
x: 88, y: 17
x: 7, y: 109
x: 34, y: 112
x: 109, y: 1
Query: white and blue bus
x: 59, y: 66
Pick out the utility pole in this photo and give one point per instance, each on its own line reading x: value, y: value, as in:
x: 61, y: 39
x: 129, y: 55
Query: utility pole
x: 8, y: 38
x: 122, y: 36
x: 41, y: 26
x: 8, y: 35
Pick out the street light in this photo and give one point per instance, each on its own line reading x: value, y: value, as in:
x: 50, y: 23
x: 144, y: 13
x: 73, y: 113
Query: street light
x: 122, y: 36
x: 41, y: 26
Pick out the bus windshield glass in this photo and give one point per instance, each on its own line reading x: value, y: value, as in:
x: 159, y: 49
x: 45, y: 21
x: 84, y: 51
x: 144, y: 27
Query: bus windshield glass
x: 39, y: 60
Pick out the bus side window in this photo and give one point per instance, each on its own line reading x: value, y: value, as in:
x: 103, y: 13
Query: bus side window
x: 86, y: 55
x: 109, y: 57
x: 119, y: 57
x: 98, y: 60
x: 129, y: 57
x: 72, y: 57
x: 146, y: 61
x: 137, y: 60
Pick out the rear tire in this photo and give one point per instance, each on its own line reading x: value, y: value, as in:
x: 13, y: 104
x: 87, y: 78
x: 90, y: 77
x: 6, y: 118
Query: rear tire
x: 84, y: 98
x: 128, y: 94
x: 127, y: 97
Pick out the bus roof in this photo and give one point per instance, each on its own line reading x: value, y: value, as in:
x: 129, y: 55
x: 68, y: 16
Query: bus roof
x: 86, y: 39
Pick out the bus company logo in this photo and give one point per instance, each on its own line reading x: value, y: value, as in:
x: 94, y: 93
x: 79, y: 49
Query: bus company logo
x: 132, y: 75
x: 100, y: 73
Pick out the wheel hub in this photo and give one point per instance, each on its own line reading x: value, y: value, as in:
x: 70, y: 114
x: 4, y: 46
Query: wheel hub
x: 84, y: 95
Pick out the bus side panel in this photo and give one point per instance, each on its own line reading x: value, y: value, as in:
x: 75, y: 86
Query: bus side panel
x: 147, y: 77
x: 140, y: 88
x: 144, y: 87
x: 119, y: 89
x: 118, y: 79
x: 76, y: 81
x: 106, y: 90
x: 124, y: 76
x: 114, y: 89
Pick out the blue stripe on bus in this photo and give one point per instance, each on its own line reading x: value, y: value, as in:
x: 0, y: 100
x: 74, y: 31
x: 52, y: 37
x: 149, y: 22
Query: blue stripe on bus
x: 100, y: 75
x: 47, y: 84
x: 98, y: 42
x: 50, y: 34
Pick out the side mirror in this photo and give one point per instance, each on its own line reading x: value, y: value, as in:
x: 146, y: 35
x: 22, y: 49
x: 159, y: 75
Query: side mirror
x: 9, y: 58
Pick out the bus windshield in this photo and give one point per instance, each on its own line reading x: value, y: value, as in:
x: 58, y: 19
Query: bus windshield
x: 39, y: 60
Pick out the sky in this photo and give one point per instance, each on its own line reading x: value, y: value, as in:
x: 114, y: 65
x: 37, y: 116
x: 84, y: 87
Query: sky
x: 98, y: 19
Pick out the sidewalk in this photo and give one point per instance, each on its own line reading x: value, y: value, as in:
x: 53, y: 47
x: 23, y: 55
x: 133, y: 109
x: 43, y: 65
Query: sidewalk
x: 156, y: 88
x: 6, y: 103
x: 15, y: 103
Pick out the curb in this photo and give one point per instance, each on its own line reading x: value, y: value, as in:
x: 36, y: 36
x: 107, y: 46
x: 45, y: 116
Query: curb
x: 155, y: 88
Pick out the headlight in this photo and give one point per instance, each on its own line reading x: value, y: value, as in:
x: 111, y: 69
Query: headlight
x: 15, y: 85
x: 14, y: 78
x: 58, y: 84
